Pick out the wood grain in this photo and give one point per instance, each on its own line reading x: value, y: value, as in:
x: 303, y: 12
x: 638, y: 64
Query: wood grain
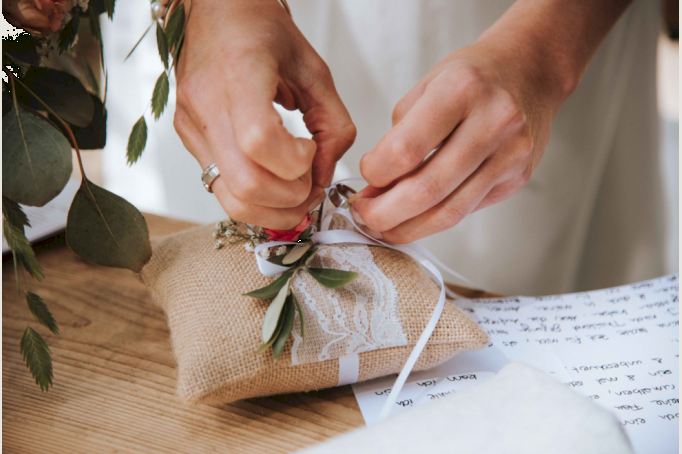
x: 114, y: 388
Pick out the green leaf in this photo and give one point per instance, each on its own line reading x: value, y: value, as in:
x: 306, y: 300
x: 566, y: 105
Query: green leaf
x: 36, y: 353
x: 40, y: 311
x: 332, y: 278
x: 21, y: 247
x: 93, y: 15
x: 162, y: 45
x: 160, y: 95
x: 139, y: 40
x: 107, y: 230
x: 91, y: 78
x: 311, y: 256
x: 175, y: 25
x: 36, y: 158
x: 14, y: 214
x: 137, y: 140
x: 109, y: 8
x: 301, y: 317
x: 274, y: 311
x: 61, y: 91
x: 93, y: 136
x: 287, y: 325
x: 68, y: 34
x: 277, y: 260
x: 23, y: 47
x: 264, y: 346
x: 271, y: 289
x: 293, y: 256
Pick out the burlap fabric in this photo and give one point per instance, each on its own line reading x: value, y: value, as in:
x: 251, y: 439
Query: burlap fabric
x: 215, y: 331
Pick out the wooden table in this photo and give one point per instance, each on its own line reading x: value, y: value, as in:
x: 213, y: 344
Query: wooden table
x: 114, y: 384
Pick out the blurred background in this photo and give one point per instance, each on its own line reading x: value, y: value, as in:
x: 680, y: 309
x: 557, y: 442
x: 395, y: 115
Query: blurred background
x: 165, y: 180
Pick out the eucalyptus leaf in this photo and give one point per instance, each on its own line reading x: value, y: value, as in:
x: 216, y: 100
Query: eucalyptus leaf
x: 162, y: 45
x: 61, y: 91
x: 36, y: 353
x: 23, y: 47
x: 295, y: 255
x: 274, y: 311
x: 68, y: 34
x: 175, y: 25
x: 107, y: 230
x: 91, y: 78
x: 287, y: 325
x: 137, y: 140
x: 40, y: 311
x: 21, y: 249
x: 271, y: 289
x: 332, y: 278
x: 160, y: 95
x: 301, y: 318
x: 93, y: 136
x: 36, y: 158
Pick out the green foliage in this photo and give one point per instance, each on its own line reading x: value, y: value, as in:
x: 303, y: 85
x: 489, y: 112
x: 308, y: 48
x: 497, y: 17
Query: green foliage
x: 36, y: 158
x: 22, y: 250
x: 137, y: 140
x: 36, y: 353
x: 21, y: 47
x: 160, y: 95
x: 106, y: 229
x: 301, y: 318
x: 61, y: 91
x: 295, y: 255
x: 14, y: 214
x: 93, y: 136
x: 274, y: 311
x: 109, y: 8
x: 271, y: 289
x: 287, y: 325
x: 332, y: 278
x: 68, y: 34
x: 175, y: 26
x: 40, y: 311
x: 162, y: 45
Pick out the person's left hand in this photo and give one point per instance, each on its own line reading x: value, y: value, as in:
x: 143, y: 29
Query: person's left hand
x: 489, y: 111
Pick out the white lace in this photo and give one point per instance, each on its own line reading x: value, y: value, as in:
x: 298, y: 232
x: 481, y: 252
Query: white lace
x: 360, y: 317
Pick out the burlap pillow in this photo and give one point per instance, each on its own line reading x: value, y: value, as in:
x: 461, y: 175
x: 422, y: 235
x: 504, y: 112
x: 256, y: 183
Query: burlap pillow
x: 215, y: 331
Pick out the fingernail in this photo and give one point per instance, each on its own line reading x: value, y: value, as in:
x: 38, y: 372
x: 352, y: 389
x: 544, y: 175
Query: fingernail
x: 363, y: 226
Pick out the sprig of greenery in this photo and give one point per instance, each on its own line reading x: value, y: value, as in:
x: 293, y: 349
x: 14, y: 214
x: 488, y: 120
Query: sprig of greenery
x: 279, y: 318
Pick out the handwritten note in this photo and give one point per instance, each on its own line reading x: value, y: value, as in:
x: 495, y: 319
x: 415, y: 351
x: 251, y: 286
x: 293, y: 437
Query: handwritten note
x: 618, y: 347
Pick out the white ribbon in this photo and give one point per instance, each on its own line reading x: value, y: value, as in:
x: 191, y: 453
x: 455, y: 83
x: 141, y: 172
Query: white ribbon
x: 349, y: 366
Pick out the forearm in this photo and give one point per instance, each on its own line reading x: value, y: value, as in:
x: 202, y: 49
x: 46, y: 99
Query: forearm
x: 553, y: 41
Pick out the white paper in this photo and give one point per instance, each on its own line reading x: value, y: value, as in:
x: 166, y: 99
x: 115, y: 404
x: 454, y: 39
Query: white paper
x: 619, y: 347
x: 49, y: 219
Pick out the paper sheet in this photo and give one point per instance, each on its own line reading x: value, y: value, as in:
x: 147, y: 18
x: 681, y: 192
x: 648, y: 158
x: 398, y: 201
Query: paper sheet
x: 49, y: 219
x: 619, y: 347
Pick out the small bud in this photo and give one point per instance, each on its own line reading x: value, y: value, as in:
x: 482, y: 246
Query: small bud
x: 249, y: 246
x: 219, y: 225
x: 218, y: 244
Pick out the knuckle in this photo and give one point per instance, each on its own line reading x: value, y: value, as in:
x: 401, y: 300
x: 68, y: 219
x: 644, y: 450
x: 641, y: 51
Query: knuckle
x: 348, y: 134
x: 253, y: 140
x: 449, y: 215
x: 404, y: 152
x: 470, y: 80
x: 512, y: 119
x: 246, y: 190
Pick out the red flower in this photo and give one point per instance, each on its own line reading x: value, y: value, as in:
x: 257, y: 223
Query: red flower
x: 292, y: 234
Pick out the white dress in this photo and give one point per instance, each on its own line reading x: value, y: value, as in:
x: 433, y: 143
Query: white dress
x: 592, y: 215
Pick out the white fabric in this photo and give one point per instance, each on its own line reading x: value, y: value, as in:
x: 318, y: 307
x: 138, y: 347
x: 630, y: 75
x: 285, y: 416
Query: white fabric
x: 519, y: 410
x: 591, y: 216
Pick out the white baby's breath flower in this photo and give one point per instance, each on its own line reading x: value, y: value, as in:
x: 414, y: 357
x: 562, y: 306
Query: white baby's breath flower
x: 249, y: 246
x: 217, y: 233
x: 281, y: 250
x: 83, y: 4
x: 219, y: 225
x: 218, y: 244
x: 229, y: 233
x: 265, y: 253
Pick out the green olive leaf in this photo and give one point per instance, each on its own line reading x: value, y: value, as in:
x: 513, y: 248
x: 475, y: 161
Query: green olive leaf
x: 271, y: 289
x: 137, y: 140
x: 277, y: 260
x: 107, y: 230
x: 264, y: 346
x: 160, y: 95
x: 301, y: 318
x: 311, y: 256
x: 287, y: 326
x: 36, y: 158
x: 332, y: 278
x: 61, y: 91
x: 293, y: 256
x: 274, y: 311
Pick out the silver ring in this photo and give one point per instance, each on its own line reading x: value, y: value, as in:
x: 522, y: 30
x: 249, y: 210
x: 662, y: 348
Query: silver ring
x: 209, y: 175
x: 340, y: 194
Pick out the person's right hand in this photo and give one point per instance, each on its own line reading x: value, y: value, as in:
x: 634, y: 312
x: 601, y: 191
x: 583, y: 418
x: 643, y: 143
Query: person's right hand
x: 237, y: 58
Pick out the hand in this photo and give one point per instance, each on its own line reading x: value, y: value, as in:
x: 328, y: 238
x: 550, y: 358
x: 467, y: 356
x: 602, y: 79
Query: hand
x: 489, y: 108
x: 238, y: 57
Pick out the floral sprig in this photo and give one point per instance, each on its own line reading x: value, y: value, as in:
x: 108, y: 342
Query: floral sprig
x: 278, y: 322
